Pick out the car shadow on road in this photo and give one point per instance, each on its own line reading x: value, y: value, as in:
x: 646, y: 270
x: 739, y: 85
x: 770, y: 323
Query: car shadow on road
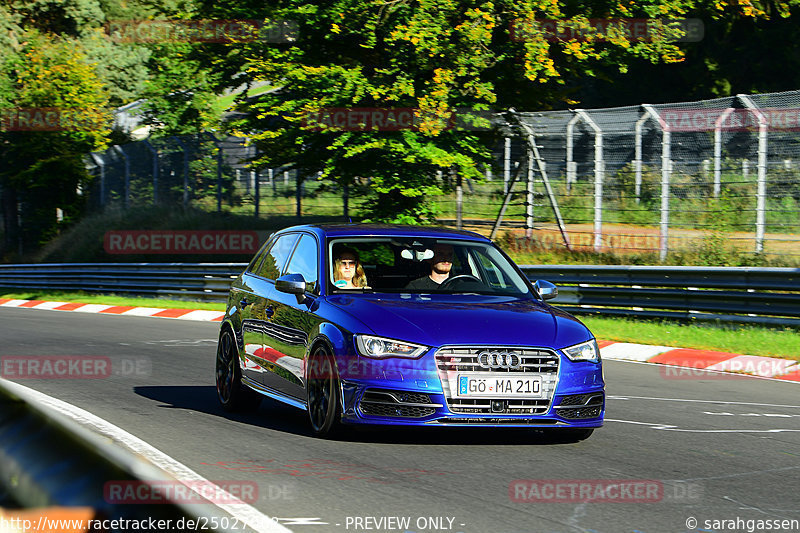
x: 270, y: 415
x: 277, y: 416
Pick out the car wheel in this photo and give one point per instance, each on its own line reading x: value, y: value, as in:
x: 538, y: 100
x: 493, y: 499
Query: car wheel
x: 231, y: 393
x: 322, y: 389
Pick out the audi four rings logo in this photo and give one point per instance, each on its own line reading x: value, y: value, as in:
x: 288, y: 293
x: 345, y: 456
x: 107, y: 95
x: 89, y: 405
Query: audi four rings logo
x: 499, y: 360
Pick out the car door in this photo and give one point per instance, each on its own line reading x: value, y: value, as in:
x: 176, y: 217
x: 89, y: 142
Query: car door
x: 255, y: 311
x: 290, y: 323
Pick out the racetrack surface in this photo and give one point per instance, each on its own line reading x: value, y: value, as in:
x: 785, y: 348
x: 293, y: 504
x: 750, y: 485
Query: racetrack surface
x: 694, y: 445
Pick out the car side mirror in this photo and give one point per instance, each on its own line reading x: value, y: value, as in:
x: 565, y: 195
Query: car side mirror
x: 546, y: 290
x: 292, y: 284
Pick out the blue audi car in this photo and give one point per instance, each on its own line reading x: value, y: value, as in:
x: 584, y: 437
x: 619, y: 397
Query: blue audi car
x: 409, y: 326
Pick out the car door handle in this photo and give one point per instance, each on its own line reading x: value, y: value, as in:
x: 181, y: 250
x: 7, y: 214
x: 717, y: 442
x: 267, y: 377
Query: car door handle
x: 269, y: 311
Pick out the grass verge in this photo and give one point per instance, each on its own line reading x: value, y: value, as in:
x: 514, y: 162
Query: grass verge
x: 750, y: 340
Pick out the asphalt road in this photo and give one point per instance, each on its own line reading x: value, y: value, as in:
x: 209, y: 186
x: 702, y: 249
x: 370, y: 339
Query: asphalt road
x: 685, y: 445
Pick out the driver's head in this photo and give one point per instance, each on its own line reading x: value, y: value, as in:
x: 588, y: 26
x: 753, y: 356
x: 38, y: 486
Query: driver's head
x: 442, y: 260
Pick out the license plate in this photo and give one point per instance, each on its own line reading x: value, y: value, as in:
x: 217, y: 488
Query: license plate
x: 499, y: 386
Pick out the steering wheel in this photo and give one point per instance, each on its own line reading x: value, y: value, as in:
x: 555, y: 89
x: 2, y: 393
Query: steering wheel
x: 461, y: 277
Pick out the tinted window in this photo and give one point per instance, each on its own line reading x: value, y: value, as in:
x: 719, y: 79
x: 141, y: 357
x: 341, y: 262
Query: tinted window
x: 276, y: 257
x: 304, y: 261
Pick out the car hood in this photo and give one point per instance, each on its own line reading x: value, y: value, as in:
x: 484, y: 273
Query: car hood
x: 436, y: 320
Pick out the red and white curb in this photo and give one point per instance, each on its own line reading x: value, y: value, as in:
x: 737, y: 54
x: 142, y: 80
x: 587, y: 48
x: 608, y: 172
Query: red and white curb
x: 180, y: 314
x: 753, y: 365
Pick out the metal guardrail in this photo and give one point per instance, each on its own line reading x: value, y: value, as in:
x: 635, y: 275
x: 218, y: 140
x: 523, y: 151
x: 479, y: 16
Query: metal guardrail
x: 48, y: 460
x: 208, y: 281
x: 728, y: 294
x: 731, y: 294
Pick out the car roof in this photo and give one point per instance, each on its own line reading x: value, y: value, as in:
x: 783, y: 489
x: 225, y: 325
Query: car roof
x: 391, y: 230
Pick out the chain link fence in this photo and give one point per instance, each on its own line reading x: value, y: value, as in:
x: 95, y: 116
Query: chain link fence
x: 659, y: 179
x: 702, y: 176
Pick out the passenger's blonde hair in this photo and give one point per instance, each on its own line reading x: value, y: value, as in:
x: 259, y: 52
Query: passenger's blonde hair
x: 359, y: 278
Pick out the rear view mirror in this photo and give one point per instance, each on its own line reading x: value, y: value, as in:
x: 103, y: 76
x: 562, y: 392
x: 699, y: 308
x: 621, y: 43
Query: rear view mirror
x: 416, y: 255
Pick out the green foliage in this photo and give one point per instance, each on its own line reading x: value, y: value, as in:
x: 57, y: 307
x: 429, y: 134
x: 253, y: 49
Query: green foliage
x: 433, y: 57
x: 44, y: 169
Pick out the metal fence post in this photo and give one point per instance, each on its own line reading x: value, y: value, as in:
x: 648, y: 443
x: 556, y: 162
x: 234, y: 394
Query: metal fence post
x: 666, y: 172
x: 599, y: 165
x: 102, y: 164
x: 637, y: 162
x: 346, y: 201
x: 185, y: 149
x: 506, y: 164
x: 154, y: 153
x: 298, y: 194
x: 529, y: 197
x: 718, y: 150
x: 127, y: 173
x: 572, y: 167
x: 761, y: 194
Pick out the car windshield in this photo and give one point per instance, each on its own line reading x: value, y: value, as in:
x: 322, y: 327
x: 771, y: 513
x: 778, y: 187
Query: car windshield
x: 420, y: 265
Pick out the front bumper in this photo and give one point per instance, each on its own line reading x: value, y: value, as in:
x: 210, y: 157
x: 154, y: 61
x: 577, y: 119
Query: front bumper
x: 374, y: 403
x: 424, y: 392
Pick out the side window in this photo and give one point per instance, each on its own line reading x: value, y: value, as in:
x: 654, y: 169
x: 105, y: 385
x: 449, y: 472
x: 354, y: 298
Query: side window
x: 274, y: 260
x: 304, y: 261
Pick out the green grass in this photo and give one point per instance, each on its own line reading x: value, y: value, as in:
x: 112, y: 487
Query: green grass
x: 750, y: 340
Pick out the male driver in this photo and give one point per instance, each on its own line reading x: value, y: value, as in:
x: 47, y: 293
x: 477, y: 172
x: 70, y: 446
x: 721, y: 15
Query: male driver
x: 441, y: 263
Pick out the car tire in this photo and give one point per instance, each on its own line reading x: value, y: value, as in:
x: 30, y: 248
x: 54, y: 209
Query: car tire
x: 323, y: 393
x: 232, y: 394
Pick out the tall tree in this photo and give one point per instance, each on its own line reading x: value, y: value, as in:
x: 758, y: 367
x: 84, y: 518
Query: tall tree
x: 433, y: 56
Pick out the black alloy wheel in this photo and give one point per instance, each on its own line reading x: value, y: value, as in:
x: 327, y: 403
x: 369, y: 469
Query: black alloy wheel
x: 231, y: 393
x: 324, y: 398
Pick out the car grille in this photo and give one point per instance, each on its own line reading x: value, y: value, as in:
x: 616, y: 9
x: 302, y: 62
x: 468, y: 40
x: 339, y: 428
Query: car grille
x: 454, y: 360
x: 377, y: 402
x: 581, y: 406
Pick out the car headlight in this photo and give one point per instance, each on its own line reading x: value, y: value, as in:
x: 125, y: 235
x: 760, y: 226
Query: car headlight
x: 585, y: 351
x: 380, y: 347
